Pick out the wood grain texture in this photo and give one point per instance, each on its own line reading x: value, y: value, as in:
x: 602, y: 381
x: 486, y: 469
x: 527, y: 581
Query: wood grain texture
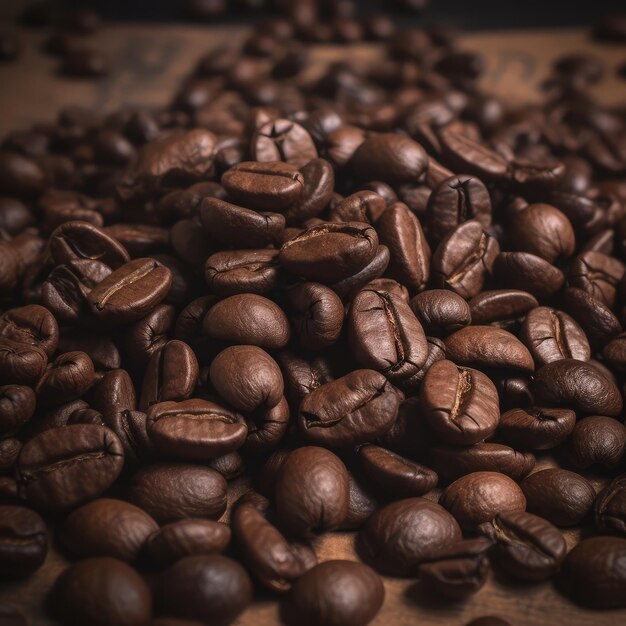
x: 148, y: 64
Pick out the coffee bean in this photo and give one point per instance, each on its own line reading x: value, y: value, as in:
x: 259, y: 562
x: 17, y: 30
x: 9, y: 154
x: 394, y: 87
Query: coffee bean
x: 477, y: 497
x: 610, y: 507
x: 597, y: 441
x: 593, y: 573
x: 400, y: 536
x: 68, y: 377
x: 362, y: 206
x: 32, y: 325
x: 63, y: 467
x: 528, y: 272
x: 353, y: 409
x: 171, y: 491
x: 460, y: 404
x: 101, y: 591
x: 311, y: 492
x: 211, y: 588
x: 441, y: 311
x: 148, y: 335
x: 335, y: 592
x: 598, y: 275
x: 501, y: 307
x: 17, y: 405
x: 538, y: 428
x: 562, y: 497
x: 107, y: 528
x: 527, y: 547
x: 187, y: 537
x: 319, y: 182
x: 23, y: 541
x: 283, y: 140
x: 348, y: 287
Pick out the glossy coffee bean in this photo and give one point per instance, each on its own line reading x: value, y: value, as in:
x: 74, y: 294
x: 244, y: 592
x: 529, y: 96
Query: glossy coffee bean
x: 610, y: 507
x: 528, y: 272
x: 334, y: 593
x: 319, y: 182
x: 597, y: 442
x: 538, y: 428
x: 283, y: 140
x: 68, y: 377
x: 243, y: 271
x: 501, y: 307
x: 17, y: 405
x: 440, y: 311
x: 23, y: 541
x: 32, y: 325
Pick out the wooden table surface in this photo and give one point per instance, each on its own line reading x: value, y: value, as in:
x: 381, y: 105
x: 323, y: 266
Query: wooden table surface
x: 148, y: 63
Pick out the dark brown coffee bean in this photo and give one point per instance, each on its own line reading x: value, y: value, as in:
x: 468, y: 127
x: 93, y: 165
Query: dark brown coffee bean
x: 477, y: 497
x: 460, y: 404
x: 576, y: 385
x: 458, y: 570
x: 385, y: 335
x: 210, y: 588
x: 63, y: 467
x: 101, y: 591
x: 598, y: 442
x: 311, y: 492
x: 610, y: 507
x: 273, y: 561
x: 9, y: 451
x: 113, y: 394
x: 593, y: 573
x: 598, y: 275
x: 32, y: 325
x: 395, y: 474
x: 68, y: 377
x: 317, y: 314
x: 20, y: 176
x: 537, y: 428
x: 329, y: 252
x: 148, y: 335
x: 488, y: 346
x: 552, y: 335
x: 454, y: 201
x: 23, y: 541
x: 404, y: 534
x: 356, y: 408
x: 187, y: 537
x: 140, y: 239
x: 362, y: 206
x: 464, y: 259
x: 562, y: 497
x: 402, y: 233
x: 319, y: 182
x: 314, y: 600
x: 17, y: 405
x: 348, y: 287
x: 526, y: 546
x: 248, y: 319
x: 107, y: 528
x: 264, y: 186
x: 171, y: 491
x: 501, y: 307
x: 283, y: 140
x: 195, y: 430
x: 441, y: 311
x: 131, y: 291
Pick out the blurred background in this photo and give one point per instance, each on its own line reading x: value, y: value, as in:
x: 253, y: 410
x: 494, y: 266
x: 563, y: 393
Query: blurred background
x: 462, y: 14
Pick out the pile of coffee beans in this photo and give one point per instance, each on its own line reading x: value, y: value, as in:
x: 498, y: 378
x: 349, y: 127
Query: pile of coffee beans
x: 375, y: 297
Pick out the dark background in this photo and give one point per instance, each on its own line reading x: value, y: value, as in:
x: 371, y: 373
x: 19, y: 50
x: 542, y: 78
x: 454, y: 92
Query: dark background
x: 464, y: 14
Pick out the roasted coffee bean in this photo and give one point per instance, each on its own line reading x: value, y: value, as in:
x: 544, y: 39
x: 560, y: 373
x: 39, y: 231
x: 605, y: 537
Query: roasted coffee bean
x: 457, y: 570
x: 329, y: 252
x: 273, y: 561
x: 32, y: 325
x: 356, y: 408
x: 488, y: 346
x: 526, y: 546
x: 400, y: 536
x: 17, y: 405
x: 315, y: 600
x: 319, y: 182
x: 454, y: 201
x: 101, y: 591
x: 460, y: 404
x: 552, y: 335
x: 501, y: 307
x: 301, y: 376
x: 107, y: 528
x: 171, y: 374
x: 131, y: 291
x: 63, y: 467
x: 392, y: 473
x: 248, y: 319
x: 576, y: 385
x: 593, y: 573
x: 409, y: 251
x: 537, y: 428
x: 243, y: 271
x: 68, y: 377
x: 465, y: 259
x: 452, y: 462
x: 187, y: 537
x: 598, y: 275
x: 140, y: 239
x: 441, y: 311
x: 270, y: 186
x: 113, y: 394
x: 528, y: 272
x: 23, y: 541
x: 362, y: 206
x: 9, y: 451
x: 195, y: 430
x: 149, y: 334
x: 348, y: 287
x: 237, y: 227
x: 477, y: 497
x: 210, y: 588
x: 597, y: 441
x: 361, y: 505
x: 610, y: 507
x: 311, y: 492
x: 283, y: 140
x: 562, y: 497
x: 317, y: 314
x: 385, y: 335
